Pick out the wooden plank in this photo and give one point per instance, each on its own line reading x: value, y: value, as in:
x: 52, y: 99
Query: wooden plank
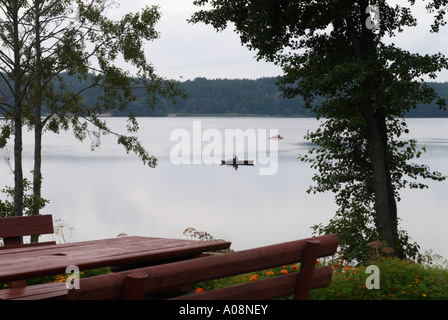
x: 265, y: 289
x: 174, y: 275
x: 134, y: 286
x: 111, y: 247
x: 12, y: 241
x: 19, y: 246
x: 40, y: 291
x: 307, y: 268
x: 11, y: 227
x: 20, y: 263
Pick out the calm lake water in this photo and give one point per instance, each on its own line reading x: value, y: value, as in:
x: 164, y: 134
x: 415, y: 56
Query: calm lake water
x: 107, y: 192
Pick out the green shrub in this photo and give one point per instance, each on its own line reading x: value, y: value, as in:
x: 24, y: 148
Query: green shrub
x: 399, y: 280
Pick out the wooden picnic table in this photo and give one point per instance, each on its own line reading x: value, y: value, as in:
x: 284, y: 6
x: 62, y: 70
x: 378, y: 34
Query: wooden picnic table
x: 29, y: 262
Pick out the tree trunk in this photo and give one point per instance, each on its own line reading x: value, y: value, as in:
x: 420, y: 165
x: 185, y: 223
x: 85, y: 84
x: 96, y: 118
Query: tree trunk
x: 37, y: 101
x: 18, y: 170
x: 385, y: 203
x: 37, y: 104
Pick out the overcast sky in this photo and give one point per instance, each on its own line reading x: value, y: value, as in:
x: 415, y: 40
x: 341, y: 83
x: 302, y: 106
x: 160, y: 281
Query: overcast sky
x: 196, y: 50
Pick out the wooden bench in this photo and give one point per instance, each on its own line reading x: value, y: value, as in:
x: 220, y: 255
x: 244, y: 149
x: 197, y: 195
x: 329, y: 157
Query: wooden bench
x: 12, y: 229
x: 151, y: 282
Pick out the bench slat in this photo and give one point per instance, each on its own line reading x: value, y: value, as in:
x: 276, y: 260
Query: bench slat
x: 265, y: 289
x: 35, y: 292
x: 11, y: 227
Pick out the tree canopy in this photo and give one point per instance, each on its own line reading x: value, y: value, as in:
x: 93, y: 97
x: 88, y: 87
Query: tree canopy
x: 44, y: 40
x: 333, y: 57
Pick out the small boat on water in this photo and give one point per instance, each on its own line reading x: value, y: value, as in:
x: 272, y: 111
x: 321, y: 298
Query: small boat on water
x: 236, y: 162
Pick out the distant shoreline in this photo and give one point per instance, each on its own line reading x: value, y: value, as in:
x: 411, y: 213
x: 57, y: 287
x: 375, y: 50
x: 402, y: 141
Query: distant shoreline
x: 241, y: 115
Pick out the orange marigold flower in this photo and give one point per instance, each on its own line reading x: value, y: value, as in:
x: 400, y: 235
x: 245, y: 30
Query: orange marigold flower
x: 198, y: 290
x: 283, y: 271
x: 269, y: 273
x: 254, y: 277
x: 294, y: 267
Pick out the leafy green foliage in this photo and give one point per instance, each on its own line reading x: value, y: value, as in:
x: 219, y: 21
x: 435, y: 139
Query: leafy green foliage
x: 41, y: 41
x: 399, y: 280
x: 347, y: 75
x: 29, y: 201
x: 440, y: 8
x: 340, y: 157
x: 82, y: 48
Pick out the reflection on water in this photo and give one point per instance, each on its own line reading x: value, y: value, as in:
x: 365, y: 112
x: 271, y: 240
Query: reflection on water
x: 108, y: 192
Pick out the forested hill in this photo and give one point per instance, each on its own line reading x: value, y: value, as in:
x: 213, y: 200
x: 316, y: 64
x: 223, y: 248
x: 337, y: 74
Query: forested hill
x: 227, y: 97
x: 260, y: 97
x: 249, y: 97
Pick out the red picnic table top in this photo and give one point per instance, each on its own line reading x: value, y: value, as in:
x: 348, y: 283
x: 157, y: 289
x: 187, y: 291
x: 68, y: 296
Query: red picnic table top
x: 34, y: 261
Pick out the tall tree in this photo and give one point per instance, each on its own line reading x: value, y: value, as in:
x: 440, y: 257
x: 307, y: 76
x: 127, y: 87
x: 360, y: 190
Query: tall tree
x: 73, y: 47
x: 14, y: 58
x: 333, y: 55
x: 37, y: 106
